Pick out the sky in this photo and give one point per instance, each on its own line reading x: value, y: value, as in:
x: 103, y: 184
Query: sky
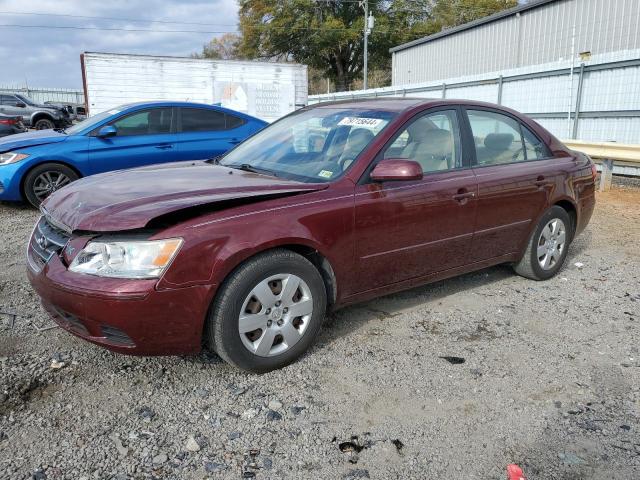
x: 48, y: 57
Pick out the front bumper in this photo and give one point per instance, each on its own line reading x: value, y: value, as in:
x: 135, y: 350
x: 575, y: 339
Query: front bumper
x: 10, y: 176
x: 126, y: 316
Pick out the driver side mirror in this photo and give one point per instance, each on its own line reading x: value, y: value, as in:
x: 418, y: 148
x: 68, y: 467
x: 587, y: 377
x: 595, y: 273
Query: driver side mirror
x: 394, y: 169
x: 21, y: 105
x: 107, y: 131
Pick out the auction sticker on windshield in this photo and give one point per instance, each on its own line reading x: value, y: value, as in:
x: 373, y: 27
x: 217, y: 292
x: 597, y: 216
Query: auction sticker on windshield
x: 360, y: 122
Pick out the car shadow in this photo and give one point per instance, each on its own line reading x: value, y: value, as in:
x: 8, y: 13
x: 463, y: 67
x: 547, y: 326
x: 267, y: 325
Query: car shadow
x: 349, y: 319
x: 22, y: 206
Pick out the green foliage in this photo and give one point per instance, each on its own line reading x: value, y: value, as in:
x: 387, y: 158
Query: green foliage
x: 327, y: 35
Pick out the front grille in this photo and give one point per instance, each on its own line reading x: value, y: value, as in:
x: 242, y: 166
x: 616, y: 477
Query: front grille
x: 46, y: 241
x: 116, y: 336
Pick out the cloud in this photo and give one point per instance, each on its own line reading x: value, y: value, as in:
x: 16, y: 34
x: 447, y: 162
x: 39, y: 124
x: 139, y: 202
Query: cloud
x: 46, y: 57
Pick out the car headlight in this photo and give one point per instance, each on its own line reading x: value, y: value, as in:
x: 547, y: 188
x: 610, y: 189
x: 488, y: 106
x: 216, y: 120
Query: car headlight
x: 127, y: 259
x: 11, y: 157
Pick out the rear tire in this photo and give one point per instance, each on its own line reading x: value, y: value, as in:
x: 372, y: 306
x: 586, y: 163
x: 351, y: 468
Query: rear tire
x: 266, y: 292
x: 44, y: 124
x: 548, y: 246
x: 45, y: 179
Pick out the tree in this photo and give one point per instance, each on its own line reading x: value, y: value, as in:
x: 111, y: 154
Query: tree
x: 450, y: 13
x: 327, y: 35
x: 222, y: 48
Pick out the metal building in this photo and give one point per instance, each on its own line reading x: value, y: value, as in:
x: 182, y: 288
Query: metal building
x: 572, y: 65
x: 541, y: 31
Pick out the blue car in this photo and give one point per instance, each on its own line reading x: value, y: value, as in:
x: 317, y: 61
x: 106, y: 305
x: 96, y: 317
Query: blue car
x: 35, y: 164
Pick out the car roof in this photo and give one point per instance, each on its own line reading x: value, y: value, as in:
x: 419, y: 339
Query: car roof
x: 401, y: 104
x: 175, y: 103
x: 393, y: 104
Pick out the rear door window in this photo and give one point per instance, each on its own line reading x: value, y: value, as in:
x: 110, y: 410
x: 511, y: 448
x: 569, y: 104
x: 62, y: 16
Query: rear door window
x: 497, y: 138
x: 208, y: 120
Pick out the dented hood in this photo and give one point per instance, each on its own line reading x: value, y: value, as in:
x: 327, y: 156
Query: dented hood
x: 130, y: 199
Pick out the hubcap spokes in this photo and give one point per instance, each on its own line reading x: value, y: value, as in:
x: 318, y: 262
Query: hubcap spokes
x: 48, y: 182
x: 275, y: 314
x: 551, y: 244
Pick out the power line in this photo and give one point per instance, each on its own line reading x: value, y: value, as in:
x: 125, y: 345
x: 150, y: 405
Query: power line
x: 118, y: 19
x: 118, y: 29
x: 474, y: 9
x: 167, y: 22
x: 72, y: 27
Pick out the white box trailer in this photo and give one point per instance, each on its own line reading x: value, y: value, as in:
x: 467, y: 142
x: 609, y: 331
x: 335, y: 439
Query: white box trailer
x: 262, y: 89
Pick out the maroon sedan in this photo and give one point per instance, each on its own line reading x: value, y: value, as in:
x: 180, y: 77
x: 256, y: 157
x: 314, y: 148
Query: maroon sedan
x: 333, y: 204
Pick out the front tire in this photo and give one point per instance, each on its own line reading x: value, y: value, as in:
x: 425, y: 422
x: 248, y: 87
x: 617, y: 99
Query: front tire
x: 45, y: 179
x: 44, y: 124
x: 268, y: 312
x: 548, y: 246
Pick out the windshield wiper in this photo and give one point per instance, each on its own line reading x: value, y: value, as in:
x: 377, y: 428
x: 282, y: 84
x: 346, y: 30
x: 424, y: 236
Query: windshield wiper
x: 60, y: 130
x: 250, y: 168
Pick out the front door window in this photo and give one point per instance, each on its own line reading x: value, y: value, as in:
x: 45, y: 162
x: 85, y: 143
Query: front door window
x: 146, y: 122
x: 432, y: 140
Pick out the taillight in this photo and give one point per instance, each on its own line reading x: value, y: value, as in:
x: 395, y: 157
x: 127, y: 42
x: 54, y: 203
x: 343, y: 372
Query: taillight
x: 594, y: 170
x: 8, y: 121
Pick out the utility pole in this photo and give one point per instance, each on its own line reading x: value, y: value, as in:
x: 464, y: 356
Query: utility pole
x: 369, y: 21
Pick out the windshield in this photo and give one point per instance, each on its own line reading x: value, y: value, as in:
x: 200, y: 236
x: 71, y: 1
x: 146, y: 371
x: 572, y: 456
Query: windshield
x: 315, y: 145
x: 92, y: 121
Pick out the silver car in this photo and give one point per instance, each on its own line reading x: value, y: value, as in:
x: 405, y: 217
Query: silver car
x: 40, y: 117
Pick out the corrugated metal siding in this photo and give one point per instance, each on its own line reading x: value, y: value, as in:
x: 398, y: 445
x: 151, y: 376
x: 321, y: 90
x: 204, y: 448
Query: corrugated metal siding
x: 610, y: 92
x: 274, y: 89
x: 621, y: 130
x: 536, y: 36
x: 606, y: 90
x: 540, y: 95
x: 483, y: 93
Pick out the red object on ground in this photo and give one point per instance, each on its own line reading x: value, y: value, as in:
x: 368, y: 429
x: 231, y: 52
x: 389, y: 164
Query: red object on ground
x: 514, y: 472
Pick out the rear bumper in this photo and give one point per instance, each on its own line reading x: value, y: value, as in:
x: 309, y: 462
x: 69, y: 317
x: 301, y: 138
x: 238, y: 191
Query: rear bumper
x: 12, y: 131
x: 135, y: 321
x: 586, y: 207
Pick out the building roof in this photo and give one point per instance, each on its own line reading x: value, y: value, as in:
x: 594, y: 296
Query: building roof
x: 467, y: 26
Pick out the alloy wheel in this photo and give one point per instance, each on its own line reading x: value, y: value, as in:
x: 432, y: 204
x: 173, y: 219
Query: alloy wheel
x: 48, y: 182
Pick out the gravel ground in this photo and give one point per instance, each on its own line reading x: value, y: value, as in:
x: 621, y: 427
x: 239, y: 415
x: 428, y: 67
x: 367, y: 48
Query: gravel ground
x: 550, y: 381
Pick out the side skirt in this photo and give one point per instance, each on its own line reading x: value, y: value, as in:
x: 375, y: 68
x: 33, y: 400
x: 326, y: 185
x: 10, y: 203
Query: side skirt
x: 434, y: 277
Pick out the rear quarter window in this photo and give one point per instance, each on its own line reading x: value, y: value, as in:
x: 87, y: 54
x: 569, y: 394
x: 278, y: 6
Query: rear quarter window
x: 535, y: 148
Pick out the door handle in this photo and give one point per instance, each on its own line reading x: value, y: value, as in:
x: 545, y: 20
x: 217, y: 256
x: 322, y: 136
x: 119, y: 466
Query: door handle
x: 234, y: 141
x: 164, y: 147
x: 540, y: 181
x: 463, y: 195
